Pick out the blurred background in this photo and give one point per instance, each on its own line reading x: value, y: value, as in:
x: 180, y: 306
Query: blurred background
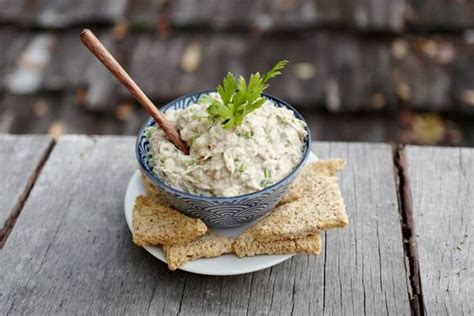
x: 365, y: 70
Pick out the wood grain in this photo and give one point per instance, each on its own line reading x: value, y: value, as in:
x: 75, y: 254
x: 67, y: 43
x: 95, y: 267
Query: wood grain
x: 364, y: 264
x: 442, y: 194
x: 104, y: 56
x: 71, y: 250
x: 20, y: 159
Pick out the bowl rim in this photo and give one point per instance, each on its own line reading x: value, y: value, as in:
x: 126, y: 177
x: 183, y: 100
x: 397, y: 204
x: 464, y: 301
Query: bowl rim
x: 157, y: 181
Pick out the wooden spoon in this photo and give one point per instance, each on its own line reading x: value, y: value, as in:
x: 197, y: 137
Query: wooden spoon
x: 106, y: 58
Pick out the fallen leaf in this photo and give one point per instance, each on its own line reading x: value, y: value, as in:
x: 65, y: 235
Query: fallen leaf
x: 41, y: 107
x: 120, y: 30
x: 191, y: 57
x: 123, y: 111
x: 399, y: 48
x: 429, y: 128
x: 429, y: 48
x: 378, y: 101
x: 56, y: 129
x: 468, y: 97
x: 404, y: 91
x: 304, y: 71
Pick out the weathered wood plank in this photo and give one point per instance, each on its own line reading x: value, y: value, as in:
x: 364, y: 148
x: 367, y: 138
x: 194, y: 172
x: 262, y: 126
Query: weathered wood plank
x: 29, y: 113
x: 145, y: 14
x: 215, y: 14
x: 59, y: 114
x: 69, y: 59
x: 440, y: 182
x: 359, y: 78
x: 74, y: 240
x: 369, y: 128
x: 28, y: 73
x: 7, y: 35
x: 12, y: 43
x: 20, y: 159
x: 364, y: 264
x: 422, y: 72
x: 267, y: 15
x: 102, y: 88
x: 264, y: 15
x: 439, y: 14
x: 10, y: 10
x: 378, y: 15
x: 176, y: 74
x: 463, y: 83
x: 332, y: 70
x: 60, y: 14
x: 74, y: 252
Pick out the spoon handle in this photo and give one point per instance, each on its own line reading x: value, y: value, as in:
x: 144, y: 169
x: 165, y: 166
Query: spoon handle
x: 106, y: 58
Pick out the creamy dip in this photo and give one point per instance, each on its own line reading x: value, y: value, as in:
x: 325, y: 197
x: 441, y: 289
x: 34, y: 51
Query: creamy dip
x: 227, y: 162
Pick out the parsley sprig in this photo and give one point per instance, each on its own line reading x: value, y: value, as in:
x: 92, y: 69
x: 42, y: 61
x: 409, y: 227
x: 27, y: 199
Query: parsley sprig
x: 240, y: 98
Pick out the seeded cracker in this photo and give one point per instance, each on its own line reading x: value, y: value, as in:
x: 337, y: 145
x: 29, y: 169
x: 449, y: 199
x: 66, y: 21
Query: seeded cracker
x: 156, y: 224
x: 320, y: 208
x: 207, y: 246
x: 246, y: 245
x: 152, y: 191
x: 328, y: 168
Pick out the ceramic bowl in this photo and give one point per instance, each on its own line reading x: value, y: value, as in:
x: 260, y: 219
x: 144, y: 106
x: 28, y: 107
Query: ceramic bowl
x: 219, y: 212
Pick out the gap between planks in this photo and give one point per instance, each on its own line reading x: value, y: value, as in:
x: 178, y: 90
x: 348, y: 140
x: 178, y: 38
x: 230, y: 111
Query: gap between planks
x: 16, y: 210
x: 408, y: 231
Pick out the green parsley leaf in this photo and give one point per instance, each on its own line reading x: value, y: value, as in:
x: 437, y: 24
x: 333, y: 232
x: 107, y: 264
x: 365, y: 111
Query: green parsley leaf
x: 239, y: 97
x: 194, y: 137
x: 265, y: 183
x: 246, y: 134
x: 228, y: 89
x: 240, y: 166
x: 267, y: 173
x: 148, y: 133
x: 275, y: 70
x: 205, y: 98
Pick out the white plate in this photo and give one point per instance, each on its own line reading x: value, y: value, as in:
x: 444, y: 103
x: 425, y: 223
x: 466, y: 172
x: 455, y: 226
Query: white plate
x: 224, y: 265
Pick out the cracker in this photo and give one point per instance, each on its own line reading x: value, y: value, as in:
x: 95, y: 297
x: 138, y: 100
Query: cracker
x: 207, y: 246
x: 328, y: 168
x: 157, y: 224
x: 320, y: 208
x: 152, y: 191
x: 246, y: 245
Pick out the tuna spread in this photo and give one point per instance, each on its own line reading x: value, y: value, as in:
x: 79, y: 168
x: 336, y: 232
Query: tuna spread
x: 227, y: 162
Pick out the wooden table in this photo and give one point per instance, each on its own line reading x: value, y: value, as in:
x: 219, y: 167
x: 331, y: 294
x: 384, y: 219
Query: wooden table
x: 67, y: 248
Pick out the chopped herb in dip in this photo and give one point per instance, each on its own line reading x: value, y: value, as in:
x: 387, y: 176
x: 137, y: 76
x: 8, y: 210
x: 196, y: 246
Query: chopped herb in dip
x: 242, y: 151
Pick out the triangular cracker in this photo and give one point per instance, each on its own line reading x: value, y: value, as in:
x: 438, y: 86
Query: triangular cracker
x: 328, y: 168
x: 156, y: 224
x: 152, y: 191
x: 320, y: 208
x: 207, y: 246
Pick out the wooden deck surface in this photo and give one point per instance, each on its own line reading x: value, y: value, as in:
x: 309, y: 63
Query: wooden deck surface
x: 67, y: 249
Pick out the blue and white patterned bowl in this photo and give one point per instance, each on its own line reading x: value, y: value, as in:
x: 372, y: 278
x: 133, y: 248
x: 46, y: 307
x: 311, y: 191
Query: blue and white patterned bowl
x: 219, y: 212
